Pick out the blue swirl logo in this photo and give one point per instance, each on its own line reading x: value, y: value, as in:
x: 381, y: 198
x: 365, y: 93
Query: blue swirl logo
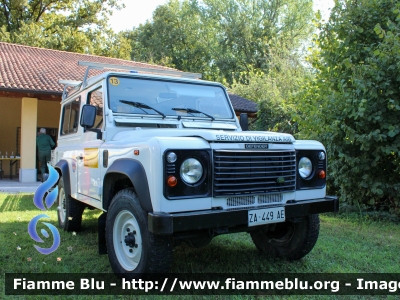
x: 32, y: 232
x: 42, y: 191
x: 43, y: 196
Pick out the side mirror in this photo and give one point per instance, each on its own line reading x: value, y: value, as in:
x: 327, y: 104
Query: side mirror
x: 88, y: 116
x: 244, y: 121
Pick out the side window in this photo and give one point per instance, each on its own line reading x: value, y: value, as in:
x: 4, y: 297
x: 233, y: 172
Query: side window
x: 66, y: 117
x: 95, y: 98
x: 74, y: 120
x: 71, y: 116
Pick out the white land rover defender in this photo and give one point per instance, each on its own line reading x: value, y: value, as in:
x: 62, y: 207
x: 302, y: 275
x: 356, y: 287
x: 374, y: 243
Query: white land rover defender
x: 166, y: 159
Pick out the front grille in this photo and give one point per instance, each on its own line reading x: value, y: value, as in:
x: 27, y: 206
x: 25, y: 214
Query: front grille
x: 251, y: 200
x: 253, y: 172
x: 239, y: 201
x: 270, y: 198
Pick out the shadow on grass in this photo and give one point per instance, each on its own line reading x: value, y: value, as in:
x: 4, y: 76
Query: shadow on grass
x: 229, y: 254
x: 234, y: 253
x: 225, y: 255
x: 16, y: 202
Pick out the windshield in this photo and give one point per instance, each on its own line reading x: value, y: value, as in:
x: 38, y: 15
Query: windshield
x: 156, y: 97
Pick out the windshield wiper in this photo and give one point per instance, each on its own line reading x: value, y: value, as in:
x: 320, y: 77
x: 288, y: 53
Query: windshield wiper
x: 192, y: 110
x: 141, y: 106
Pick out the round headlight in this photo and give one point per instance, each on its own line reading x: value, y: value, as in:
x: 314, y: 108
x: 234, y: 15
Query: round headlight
x: 191, y: 171
x: 305, y: 167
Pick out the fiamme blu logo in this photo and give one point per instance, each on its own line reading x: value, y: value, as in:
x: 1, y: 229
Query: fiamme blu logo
x: 44, y: 198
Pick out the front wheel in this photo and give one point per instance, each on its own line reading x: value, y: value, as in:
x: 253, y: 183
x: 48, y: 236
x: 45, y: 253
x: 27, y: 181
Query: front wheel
x: 290, y: 240
x: 132, y: 249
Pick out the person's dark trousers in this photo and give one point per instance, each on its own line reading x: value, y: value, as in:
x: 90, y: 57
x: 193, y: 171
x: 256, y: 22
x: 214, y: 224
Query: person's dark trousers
x: 44, y: 157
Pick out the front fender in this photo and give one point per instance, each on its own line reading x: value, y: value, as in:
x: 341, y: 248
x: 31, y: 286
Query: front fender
x: 134, y: 170
x: 63, y: 169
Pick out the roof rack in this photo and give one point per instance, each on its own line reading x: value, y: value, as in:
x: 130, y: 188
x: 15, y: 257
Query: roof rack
x: 101, y: 66
x: 77, y: 85
x: 69, y: 83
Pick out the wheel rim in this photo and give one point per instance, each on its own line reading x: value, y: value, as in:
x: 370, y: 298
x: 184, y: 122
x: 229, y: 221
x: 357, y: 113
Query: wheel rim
x: 285, y: 236
x: 127, y: 240
x: 61, y: 203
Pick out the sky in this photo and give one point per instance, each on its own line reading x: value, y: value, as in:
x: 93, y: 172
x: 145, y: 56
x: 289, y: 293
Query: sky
x: 138, y: 11
x: 135, y: 12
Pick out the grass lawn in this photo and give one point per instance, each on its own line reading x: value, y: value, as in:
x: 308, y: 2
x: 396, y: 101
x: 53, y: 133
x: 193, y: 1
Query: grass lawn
x: 345, y: 245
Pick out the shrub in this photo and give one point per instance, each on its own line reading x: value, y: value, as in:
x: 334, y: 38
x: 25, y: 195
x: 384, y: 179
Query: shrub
x: 353, y: 105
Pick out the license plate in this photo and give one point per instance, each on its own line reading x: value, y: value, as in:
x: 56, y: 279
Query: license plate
x: 266, y: 215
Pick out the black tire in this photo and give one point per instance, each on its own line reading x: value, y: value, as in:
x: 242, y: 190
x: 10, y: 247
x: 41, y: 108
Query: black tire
x: 290, y: 240
x: 132, y: 249
x: 69, y: 210
x: 199, y: 242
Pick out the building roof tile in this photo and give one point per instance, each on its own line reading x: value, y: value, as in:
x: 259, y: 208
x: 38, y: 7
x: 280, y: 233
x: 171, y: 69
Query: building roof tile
x: 243, y: 105
x: 37, y: 70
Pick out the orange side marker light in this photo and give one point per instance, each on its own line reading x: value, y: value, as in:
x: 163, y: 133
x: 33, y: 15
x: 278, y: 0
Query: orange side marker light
x: 172, y: 181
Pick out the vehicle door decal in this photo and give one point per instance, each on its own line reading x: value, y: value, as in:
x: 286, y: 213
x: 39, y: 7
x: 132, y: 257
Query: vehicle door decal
x: 91, y: 158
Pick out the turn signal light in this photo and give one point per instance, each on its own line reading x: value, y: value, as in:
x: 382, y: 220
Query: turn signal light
x: 322, y: 174
x: 172, y: 181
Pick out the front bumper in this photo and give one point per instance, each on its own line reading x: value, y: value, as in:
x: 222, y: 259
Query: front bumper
x: 167, y: 224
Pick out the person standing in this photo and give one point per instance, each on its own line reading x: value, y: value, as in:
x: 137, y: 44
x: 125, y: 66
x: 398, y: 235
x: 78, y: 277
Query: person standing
x: 44, y: 145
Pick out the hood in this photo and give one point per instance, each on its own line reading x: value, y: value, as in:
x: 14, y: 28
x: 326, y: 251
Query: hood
x: 208, y: 135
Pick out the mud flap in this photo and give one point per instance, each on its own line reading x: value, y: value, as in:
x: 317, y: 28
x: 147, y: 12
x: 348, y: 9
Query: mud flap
x: 101, y: 226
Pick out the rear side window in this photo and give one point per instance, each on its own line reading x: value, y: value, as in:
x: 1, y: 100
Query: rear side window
x: 95, y: 98
x: 70, y: 116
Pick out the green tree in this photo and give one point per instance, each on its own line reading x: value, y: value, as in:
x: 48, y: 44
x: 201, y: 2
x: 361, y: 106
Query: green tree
x: 353, y: 105
x: 276, y: 92
x: 71, y: 25
x: 224, y: 38
x: 177, y: 37
x: 248, y: 31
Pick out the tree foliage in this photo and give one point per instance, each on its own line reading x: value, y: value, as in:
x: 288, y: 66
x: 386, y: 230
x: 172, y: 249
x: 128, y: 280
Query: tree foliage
x: 177, y: 37
x: 249, y: 31
x: 353, y: 105
x: 276, y: 92
x: 221, y: 38
x: 71, y: 25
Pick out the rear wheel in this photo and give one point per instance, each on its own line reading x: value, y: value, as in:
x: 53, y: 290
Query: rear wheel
x: 291, y: 240
x: 132, y: 249
x: 69, y: 210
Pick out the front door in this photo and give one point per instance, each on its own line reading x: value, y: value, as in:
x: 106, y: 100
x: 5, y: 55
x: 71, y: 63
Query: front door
x: 90, y: 181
